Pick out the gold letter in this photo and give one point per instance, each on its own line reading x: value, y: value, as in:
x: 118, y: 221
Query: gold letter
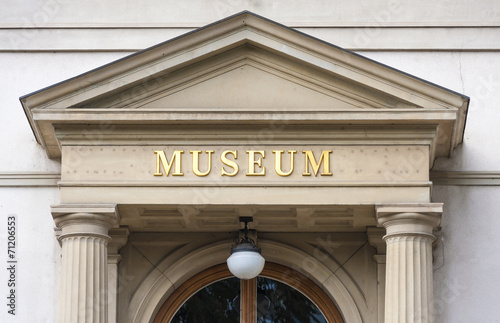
x: 325, y: 155
x: 277, y: 162
x: 252, y: 162
x: 196, y: 162
x: 161, y: 158
x: 229, y: 163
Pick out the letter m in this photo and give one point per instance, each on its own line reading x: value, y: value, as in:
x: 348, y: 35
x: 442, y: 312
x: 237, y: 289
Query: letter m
x: 161, y: 160
x: 325, y: 159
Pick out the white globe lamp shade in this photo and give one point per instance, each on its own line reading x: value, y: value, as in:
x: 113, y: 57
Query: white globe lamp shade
x: 245, y: 264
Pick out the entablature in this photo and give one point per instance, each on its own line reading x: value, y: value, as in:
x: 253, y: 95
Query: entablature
x: 246, y: 117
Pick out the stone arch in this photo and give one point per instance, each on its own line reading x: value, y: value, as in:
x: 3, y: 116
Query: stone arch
x: 159, y: 284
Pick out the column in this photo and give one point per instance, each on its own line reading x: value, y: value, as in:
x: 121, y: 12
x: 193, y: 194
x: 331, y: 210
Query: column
x: 84, y: 271
x: 409, y: 238
x: 118, y: 239
x: 375, y: 238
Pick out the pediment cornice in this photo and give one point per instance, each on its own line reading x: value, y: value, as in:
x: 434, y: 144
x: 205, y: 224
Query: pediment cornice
x: 276, y: 72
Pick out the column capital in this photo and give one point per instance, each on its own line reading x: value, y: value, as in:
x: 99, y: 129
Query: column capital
x: 409, y: 219
x: 104, y: 214
x: 85, y: 220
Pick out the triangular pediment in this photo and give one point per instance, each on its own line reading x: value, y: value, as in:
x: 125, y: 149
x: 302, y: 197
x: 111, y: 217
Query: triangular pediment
x: 248, y: 79
x: 245, y: 87
x: 239, y: 70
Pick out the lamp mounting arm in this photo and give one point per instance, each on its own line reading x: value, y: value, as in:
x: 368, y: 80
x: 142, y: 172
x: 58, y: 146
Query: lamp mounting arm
x: 246, y: 238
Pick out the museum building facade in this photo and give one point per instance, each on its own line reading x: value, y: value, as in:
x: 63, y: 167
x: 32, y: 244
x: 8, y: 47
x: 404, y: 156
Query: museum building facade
x: 328, y: 152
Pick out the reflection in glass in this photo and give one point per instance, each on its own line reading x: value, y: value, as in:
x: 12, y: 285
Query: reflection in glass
x: 276, y: 303
x: 211, y: 304
x: 280, y: 303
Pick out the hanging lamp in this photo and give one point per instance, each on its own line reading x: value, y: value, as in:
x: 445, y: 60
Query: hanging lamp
x: 245, y: 261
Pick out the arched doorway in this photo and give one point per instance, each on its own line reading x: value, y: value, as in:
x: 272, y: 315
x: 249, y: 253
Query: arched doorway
x: 283, y: 280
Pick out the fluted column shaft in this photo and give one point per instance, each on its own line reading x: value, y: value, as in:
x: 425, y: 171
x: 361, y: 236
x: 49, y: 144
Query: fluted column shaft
x: 84, y: 271
x: 409, y: 281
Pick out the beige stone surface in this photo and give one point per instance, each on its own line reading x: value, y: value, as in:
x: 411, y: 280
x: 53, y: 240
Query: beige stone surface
x: 347, y: 164
x: 84, y: 274
x: 409, y: 273
x: 340, y: 264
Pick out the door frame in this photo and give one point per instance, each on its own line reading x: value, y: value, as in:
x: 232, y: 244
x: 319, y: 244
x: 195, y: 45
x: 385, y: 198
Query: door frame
x: 271, y: 270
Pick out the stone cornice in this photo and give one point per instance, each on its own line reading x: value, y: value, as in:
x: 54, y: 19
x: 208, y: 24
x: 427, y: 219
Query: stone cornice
x: 444, y: 178
x: 360, y: 90
x: 29, y: 179
x: 465, y: 178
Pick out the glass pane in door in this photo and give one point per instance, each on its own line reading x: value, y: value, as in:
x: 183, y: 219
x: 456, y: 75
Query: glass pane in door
x: 213, y: 303
x: 280, y: 303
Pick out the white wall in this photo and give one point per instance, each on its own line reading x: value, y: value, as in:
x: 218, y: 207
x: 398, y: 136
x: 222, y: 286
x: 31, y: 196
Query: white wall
x: 37, y: 254
x: 23, y: 73
x: 466, y: 274
x: 475, y: 74
x: 292, y: 12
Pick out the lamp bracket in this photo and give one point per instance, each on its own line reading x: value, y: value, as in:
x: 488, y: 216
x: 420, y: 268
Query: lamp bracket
x: 246, y: 219
x: 245, y: 240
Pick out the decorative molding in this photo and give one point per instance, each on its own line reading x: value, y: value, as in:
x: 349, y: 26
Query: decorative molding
x: 465, y: 178
x: 452, y: 178
x: 29, y: 179
x: 333, y: 183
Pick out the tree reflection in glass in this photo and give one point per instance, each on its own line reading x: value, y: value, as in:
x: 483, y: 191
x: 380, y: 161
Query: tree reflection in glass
x: 276, y: 303
x: 280, y: 303
x: 211, y: 304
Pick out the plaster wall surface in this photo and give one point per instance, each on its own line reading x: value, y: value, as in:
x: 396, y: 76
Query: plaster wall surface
x: 36, y: 251
x: 466, y: 275
x: 23, y: 73
x: 296, y: 12
x: 476, y: 74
